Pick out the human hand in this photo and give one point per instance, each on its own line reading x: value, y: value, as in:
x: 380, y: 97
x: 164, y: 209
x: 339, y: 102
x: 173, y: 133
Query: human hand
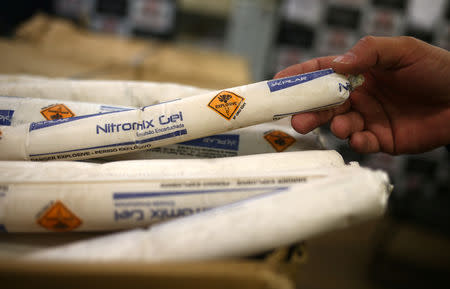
x: 403, y: 105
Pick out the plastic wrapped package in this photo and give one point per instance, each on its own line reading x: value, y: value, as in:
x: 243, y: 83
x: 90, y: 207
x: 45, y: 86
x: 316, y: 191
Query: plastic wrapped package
x: 246, y: 227
x: 80, y: 196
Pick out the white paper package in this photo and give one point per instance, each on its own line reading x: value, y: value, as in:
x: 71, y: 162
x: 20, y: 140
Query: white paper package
x: 175, y: 121
x: 276, y: 136
x: 113, y: 92
x: 74, y: 196
x: 243, y: 228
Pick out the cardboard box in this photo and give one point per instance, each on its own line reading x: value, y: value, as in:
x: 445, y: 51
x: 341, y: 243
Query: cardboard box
x: 55, y: 47
x: 276, y: 269
x: 233, y: 274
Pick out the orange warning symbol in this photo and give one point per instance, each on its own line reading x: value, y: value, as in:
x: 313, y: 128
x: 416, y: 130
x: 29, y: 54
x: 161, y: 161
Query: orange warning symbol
x: 59, y: 218
x: 57, y: 111
x: 226, y: 103
x: 279, y: 140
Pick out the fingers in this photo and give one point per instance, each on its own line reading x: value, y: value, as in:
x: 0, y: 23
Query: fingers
x: 367, y: 129
x: 376, y: 118
x: 364, y: 142
x: 306, y: 122
x: 370, y: 51
x: 308, y: 66
x: 351, y: 125
x: 345, y: 125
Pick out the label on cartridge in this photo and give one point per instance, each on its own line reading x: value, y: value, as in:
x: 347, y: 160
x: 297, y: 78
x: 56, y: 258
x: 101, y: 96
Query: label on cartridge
x: 105, y: 149
x: 59, y: 218
x: 226, y: 103
x: 279, y: 140
x: 6, y: 116
x: 282, y: 83
x: 57, y: 111
x: 145, y: 131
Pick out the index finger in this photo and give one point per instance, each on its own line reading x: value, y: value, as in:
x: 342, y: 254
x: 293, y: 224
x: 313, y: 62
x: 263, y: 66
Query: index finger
x: 306, y: 122
x: 307, y: 66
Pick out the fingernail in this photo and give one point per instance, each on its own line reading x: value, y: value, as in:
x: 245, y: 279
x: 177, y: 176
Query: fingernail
x: 346, y: 58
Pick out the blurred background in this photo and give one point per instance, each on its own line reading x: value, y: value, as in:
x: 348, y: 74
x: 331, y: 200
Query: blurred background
x: 219, y: 44
x: 269, y: 34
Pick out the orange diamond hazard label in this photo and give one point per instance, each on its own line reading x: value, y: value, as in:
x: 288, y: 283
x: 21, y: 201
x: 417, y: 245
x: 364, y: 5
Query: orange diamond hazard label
x: 279, y: 140
x: 226, y: 103
x: 57, y: 111
x: 59, y: 218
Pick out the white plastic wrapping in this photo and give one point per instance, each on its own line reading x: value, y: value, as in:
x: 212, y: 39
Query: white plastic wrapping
x: 74, y: 196
x: 246, y: 227
x: 122, y: 93
x: 175, y: 121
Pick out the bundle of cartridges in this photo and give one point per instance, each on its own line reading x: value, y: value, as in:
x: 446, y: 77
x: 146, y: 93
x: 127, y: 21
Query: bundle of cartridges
x: 243, y: 191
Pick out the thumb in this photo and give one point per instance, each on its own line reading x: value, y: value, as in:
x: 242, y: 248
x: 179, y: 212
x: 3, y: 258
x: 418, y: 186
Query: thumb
x: 371, y: 51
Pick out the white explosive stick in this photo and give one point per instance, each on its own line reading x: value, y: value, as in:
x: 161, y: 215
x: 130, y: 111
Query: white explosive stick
x: 74, y: 196
x: 243, y: 228
x: 96, y: 135
x: 263, y: 138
